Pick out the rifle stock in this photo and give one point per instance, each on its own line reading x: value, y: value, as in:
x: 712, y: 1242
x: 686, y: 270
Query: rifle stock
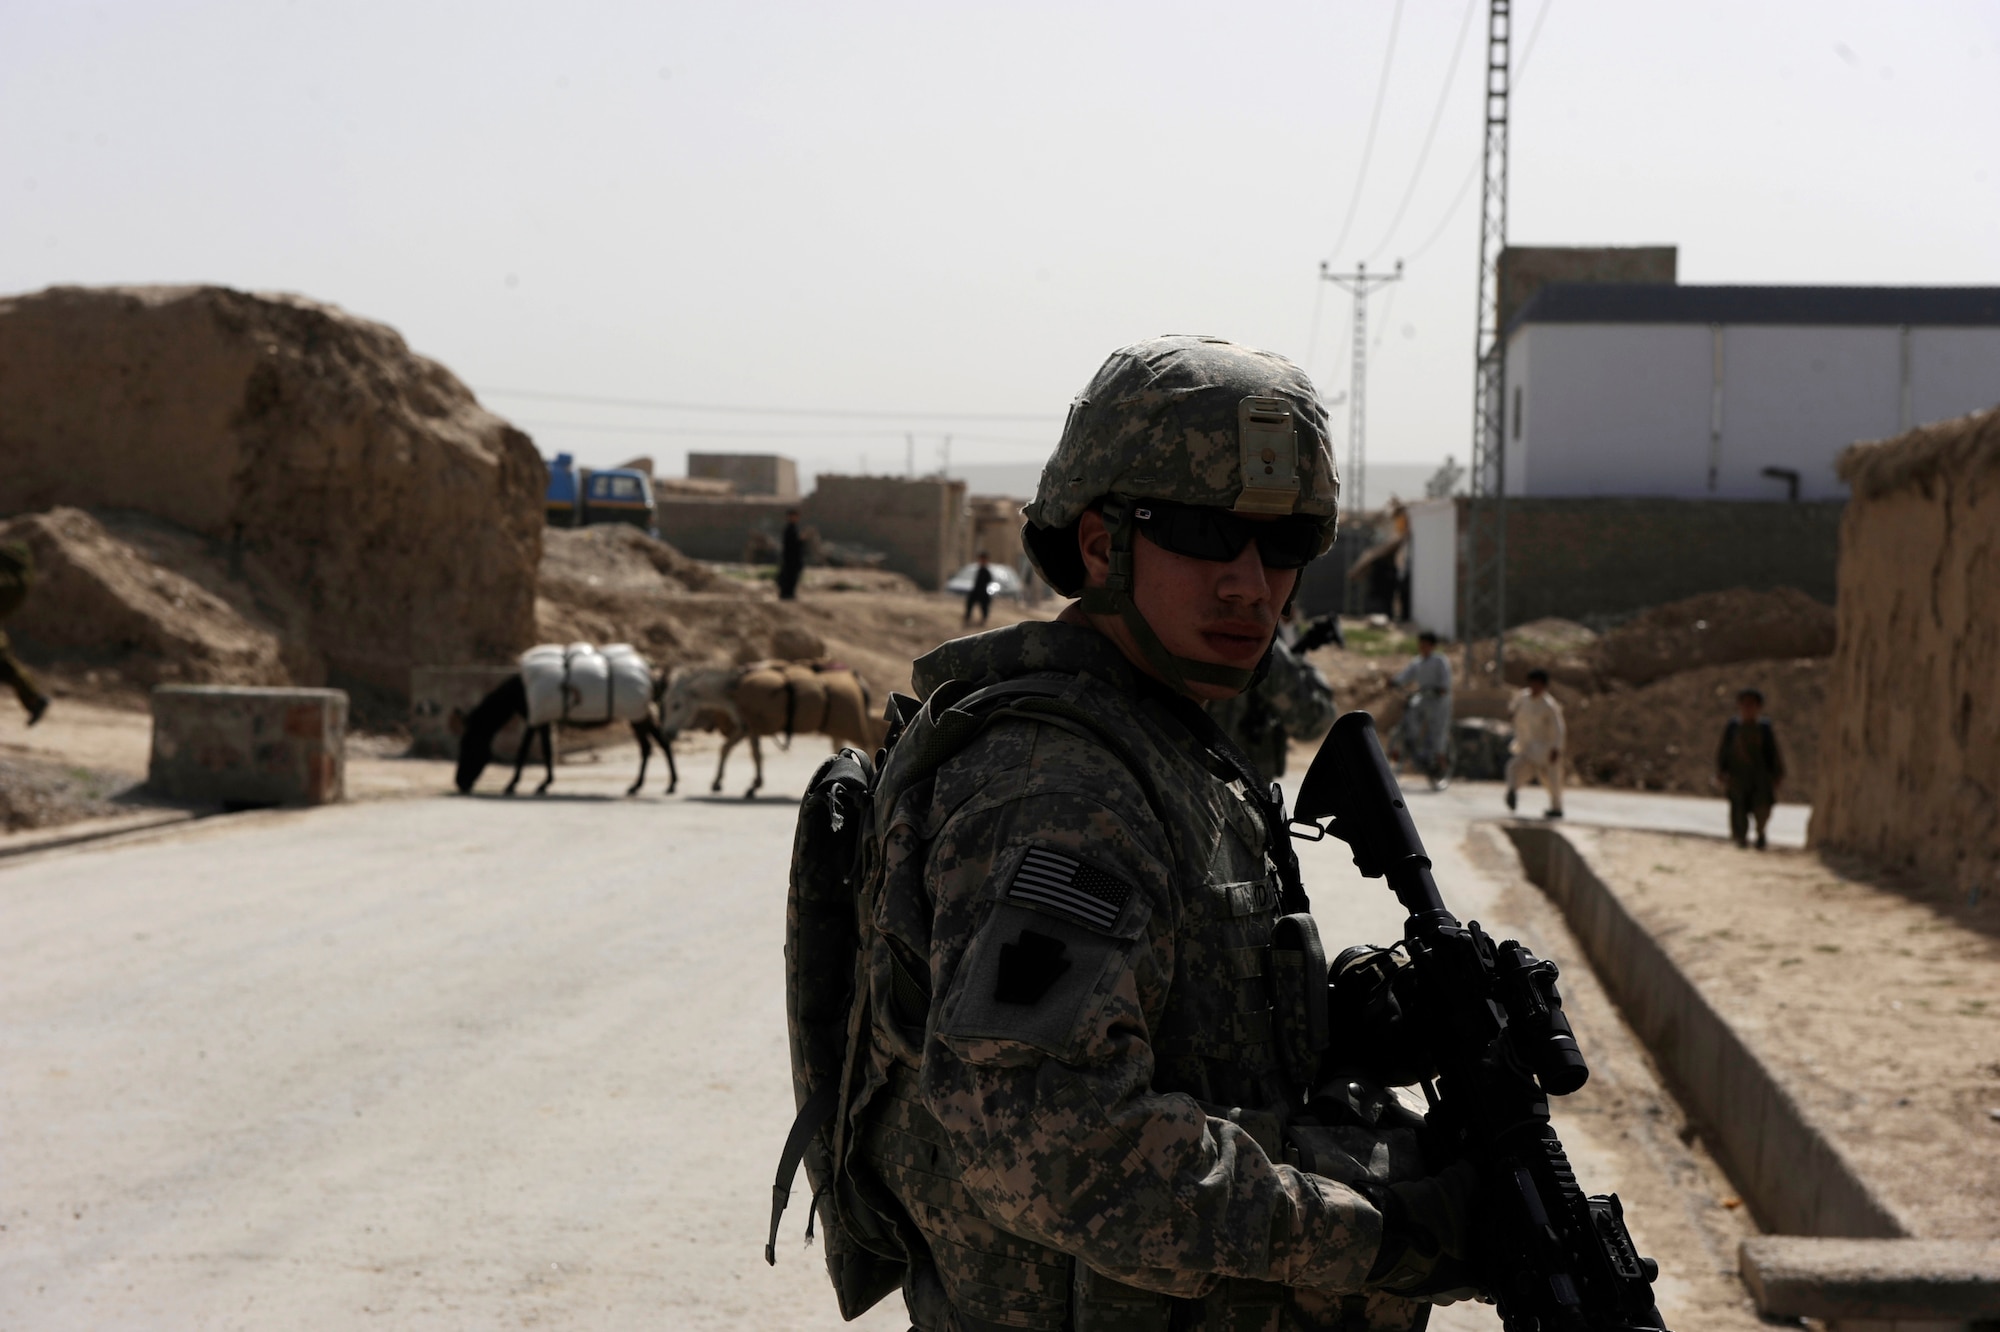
x: 1553, y: 1258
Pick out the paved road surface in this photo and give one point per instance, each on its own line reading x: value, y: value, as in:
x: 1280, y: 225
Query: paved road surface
x: 451, y: 1063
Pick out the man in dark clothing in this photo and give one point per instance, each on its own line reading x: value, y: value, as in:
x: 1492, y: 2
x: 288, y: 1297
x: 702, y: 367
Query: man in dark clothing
x: 980, y: 596
x: 17, y: 575
x: 791, y: 558
x: 1749, y: 767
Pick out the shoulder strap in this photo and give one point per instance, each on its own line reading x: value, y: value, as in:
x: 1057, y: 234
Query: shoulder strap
x: 1268, y: 798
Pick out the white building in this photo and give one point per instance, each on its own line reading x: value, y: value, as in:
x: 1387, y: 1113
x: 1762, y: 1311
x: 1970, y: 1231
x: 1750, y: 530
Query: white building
x: 1687, y: 392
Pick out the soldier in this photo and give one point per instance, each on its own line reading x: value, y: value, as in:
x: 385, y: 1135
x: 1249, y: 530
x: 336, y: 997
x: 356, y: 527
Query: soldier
x: 1292, y: 702
x: 1538, y: 742
x: 17, y: 575
x: 1074, y: 1084
x: 1426, y: 727
x: 1749, y: 767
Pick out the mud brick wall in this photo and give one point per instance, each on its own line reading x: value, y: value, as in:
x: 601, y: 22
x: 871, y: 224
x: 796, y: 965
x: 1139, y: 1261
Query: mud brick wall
x: 1910, y: 750
x: 921, y: 522
x: 719, y: 529
x: 1598, y: 559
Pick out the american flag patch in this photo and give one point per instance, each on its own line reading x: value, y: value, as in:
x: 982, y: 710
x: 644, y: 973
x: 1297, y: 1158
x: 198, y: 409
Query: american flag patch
x: 1050, y: 879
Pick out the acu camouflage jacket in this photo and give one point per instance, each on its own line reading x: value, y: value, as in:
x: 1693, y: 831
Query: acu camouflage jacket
x: 1072, y: 1054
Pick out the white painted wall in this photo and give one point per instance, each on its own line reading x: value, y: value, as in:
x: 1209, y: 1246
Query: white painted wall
x: 1953, y: 371
x: 1609, y: 409
x: 1434, y: 566
x: 1795, y: 397
x: 1626, y: 409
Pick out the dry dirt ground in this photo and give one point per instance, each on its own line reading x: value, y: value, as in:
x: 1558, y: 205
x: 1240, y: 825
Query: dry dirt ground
x: 1876, y: 1001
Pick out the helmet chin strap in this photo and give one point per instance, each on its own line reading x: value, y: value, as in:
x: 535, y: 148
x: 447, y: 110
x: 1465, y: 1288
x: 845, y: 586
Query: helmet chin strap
x: 1115, y: 598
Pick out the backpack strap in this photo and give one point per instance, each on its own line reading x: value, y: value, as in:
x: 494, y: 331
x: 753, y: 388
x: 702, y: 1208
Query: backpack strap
x: 813, y: 1116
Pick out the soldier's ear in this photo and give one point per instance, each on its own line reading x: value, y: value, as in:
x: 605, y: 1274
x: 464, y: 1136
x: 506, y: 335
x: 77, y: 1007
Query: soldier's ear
x: 1093, y: 542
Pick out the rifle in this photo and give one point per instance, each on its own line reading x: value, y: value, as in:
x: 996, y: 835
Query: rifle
x: 1554, y: 1259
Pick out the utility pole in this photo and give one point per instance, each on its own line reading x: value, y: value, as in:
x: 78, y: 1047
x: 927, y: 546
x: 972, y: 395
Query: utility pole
x: 1358, y: 284
x: 909, y: 454
x: 1485, y: 598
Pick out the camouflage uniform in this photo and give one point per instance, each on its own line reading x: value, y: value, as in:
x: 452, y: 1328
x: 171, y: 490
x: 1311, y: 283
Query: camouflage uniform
x: 1103, y: 1085
x: 1292, y: 702
x: 1073, y: 1085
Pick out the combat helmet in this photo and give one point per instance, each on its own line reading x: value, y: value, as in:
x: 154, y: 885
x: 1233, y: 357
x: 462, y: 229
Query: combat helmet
x: 1190, y: 420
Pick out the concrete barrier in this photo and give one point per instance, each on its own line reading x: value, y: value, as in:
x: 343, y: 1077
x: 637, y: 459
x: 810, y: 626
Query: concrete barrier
x: 1791, y: 1175
x: 440, y: 698
x: 1909, y: 1285
x: 236, y: 746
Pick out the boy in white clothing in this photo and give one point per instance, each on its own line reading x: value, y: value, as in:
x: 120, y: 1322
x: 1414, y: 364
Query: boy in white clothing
x: 1538, y: 742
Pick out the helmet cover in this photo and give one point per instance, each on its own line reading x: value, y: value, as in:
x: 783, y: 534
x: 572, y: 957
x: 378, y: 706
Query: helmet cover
x: 1196, y: 420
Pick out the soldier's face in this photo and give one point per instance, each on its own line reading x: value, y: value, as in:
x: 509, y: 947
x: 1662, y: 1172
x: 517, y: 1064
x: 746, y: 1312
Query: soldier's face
x: 1210, y: 610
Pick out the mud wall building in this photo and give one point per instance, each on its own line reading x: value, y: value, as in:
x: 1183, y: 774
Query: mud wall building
x: 365, y: 512
x: 729, y: 528
x: 993, y: 527
x: 920, y: 523
x: 1910, y: 750
x: 748, y: 473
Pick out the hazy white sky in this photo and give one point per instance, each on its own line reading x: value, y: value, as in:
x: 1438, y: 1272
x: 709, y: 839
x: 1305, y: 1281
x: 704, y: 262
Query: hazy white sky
x: 957, y: 209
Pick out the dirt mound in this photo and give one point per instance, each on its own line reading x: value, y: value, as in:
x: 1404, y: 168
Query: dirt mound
x: 605, y: 584
x: 613, y: 561
x: 150, y: 602
x: 1663, y: 736
x: 1714, y: 629
x: 363, y: 479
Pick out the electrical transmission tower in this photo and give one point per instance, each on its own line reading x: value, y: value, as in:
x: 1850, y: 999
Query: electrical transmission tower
x: 1485, y: 566
x: 1358, y: 284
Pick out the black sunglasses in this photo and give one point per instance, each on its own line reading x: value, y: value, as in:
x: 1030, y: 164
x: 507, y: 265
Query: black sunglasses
x: 1289, y: 542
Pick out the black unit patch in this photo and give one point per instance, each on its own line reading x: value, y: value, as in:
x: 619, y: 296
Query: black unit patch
x: 1063, y: 883
x: 1028, y: 967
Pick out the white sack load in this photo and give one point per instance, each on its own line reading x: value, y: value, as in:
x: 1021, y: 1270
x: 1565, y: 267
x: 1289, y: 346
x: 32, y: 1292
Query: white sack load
x: 584, y: 686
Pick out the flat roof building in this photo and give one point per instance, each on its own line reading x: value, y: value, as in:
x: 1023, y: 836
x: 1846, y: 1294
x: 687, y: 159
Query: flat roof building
x: 1732, y: 392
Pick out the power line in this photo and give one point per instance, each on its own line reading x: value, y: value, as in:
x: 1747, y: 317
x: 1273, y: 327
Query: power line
x: 1472, y: 168
x: 740, y: 409
x: 1430, y: 135
x: 1374, y: 120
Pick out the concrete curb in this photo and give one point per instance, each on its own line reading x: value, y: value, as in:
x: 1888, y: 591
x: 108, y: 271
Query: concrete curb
x: 1793, y: 1178
x: 1882, y: 1282
x: 92, y: 830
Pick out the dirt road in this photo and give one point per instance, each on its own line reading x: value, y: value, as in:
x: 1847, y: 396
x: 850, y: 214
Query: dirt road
x: 444, y: 1063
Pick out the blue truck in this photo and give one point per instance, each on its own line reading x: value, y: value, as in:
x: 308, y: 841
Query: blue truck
x: 582, y: 496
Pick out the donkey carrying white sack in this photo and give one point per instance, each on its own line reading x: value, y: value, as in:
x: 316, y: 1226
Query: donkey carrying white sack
x: 578, y: 685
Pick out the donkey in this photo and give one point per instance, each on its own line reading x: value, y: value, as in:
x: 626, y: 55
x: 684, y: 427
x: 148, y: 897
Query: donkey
x: 512, y: 699
x: 770, y: 698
